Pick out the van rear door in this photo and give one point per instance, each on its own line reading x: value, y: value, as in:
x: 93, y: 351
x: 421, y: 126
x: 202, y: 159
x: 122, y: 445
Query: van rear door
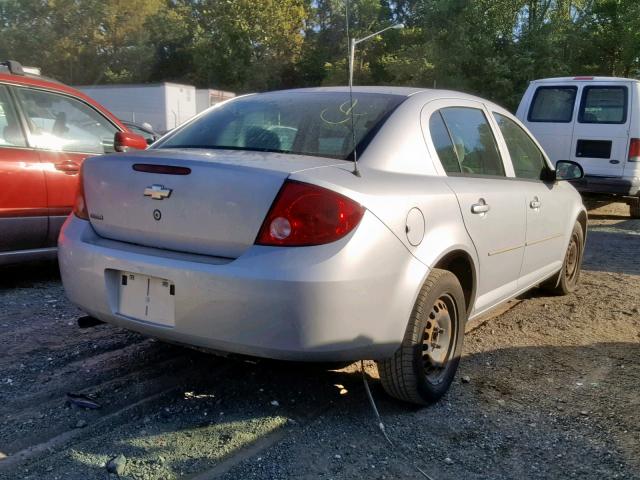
x: 548, y: 111
x: 601, y: 132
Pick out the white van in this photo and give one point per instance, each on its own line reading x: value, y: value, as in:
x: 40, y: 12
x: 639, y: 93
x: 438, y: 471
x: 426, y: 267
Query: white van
x: 594, y: 121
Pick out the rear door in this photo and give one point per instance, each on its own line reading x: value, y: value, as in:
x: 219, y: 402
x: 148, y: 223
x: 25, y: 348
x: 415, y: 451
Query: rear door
x: 23, y: 193
x: 601, y: 132
x: 65, y: 130
x: 492, y: 206
x: 550, y: 116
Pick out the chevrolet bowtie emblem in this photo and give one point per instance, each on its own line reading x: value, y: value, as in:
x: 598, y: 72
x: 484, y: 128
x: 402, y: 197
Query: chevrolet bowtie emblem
x: 157, y: 192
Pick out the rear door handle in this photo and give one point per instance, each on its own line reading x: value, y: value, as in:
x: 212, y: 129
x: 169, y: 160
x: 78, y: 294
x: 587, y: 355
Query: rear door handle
x: 68, y: 167
x: 480, y: 207
x: 535, y: 203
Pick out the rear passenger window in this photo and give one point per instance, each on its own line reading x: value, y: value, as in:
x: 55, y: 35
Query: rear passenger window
x: 11, y: 134
x: 526, y: 157
x: 553, y: 104
x: 442, y: 142
x: 603, y: 105
x: 473, y: 141
x: 59, y: 122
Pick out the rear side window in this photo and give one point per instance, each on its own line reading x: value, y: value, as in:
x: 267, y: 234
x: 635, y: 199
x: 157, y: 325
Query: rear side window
x: 606, y: 104
x: 472, y: 141
x: 11, y: 134
x: 526, y: 157
x: 442, y: 142
x: 553, y: 104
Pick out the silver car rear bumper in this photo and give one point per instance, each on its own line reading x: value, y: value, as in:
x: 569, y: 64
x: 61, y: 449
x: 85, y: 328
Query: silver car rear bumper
x: 347, y: 300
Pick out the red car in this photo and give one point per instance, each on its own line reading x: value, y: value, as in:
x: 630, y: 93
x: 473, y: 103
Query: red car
x: 46, y: 130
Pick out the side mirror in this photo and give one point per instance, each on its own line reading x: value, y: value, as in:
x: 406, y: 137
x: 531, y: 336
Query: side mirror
x: 568, y: 170
x: 125, y: 141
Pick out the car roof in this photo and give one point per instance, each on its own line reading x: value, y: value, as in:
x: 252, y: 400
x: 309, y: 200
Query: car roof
x: 36, y: 81
x: 583, y: 78
x: 426, y: 94
x: 402, y: 91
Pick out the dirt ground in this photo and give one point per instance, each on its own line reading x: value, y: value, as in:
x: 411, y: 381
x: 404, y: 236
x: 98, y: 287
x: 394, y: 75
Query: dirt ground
x: 553, y: 392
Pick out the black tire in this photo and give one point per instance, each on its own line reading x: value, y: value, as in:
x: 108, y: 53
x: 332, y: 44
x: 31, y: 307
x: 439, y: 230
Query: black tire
x: 566, y: 280
x: 419, y: 373
x: 634, y: 207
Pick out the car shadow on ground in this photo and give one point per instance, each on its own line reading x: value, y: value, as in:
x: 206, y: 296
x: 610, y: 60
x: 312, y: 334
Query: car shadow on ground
x: 558, y: 410
x: 608, y: 216
x: 28, y: 275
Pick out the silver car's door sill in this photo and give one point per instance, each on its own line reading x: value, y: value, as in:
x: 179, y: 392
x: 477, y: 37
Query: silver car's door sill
x: 538, y: 281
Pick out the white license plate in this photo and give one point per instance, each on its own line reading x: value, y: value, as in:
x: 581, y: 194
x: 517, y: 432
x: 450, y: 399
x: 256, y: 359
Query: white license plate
x: 146, y: 298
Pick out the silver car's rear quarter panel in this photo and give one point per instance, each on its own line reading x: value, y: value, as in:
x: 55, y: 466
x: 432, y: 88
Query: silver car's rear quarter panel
x: 346, y: 300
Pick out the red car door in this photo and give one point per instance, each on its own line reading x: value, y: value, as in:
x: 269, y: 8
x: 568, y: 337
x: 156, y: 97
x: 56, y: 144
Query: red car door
x: 66, y: 130
x: 23, y: 192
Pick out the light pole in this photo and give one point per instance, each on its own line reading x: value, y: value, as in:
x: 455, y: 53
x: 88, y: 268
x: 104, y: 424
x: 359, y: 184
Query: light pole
x: 356, y: 41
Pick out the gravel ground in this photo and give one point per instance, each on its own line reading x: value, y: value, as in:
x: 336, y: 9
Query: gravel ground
x: 553, y: 392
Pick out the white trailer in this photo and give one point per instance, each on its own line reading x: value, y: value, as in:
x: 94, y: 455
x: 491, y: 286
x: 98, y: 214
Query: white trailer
x: 207, y: 97
x: 162, y: 105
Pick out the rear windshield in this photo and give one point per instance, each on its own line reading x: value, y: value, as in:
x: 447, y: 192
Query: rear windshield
x: 304, y: 123
x: 603, y: 105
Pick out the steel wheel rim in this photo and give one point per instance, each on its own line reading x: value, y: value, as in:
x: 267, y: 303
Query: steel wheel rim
x: 571, y: 265
x: 438, y: 338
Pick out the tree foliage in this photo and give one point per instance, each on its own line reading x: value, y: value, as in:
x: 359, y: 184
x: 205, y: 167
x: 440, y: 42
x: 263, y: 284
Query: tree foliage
x: 489, y: 47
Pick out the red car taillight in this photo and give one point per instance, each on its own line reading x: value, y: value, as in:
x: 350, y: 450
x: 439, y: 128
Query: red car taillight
x: 80, y: 207
x: 634, y: 150
x: 304, y: 215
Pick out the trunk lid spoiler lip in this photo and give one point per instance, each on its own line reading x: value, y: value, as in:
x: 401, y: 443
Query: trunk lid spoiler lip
x: 233, y: 159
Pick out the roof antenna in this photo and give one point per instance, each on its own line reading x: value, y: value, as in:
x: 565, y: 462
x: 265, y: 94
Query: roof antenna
x: 352, y: 51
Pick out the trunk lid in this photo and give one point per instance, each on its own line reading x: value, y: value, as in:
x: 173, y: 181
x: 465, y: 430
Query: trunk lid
x: 216, y: 209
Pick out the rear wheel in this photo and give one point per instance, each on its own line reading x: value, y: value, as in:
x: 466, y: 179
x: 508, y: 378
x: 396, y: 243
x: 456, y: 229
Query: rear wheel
x: 634, y: 207
x: 423, y: 368
x: 567, y: 278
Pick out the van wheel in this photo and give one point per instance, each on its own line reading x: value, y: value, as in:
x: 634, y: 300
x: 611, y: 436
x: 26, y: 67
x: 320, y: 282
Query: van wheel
x: 567, y: 278
x: 634, y: 207
x: 423, y: 368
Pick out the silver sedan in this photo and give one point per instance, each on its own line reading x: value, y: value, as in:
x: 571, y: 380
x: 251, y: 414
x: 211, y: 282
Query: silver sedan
x: 314, y: 225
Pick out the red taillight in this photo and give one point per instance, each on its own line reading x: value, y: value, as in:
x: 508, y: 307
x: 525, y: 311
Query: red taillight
x: 634, y: 150
x: 304, y: 214
x: 80, y: 207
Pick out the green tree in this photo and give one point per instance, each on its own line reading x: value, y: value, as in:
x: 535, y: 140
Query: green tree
x: 80, y: 41
x: 489, y: 47
x: 248, y: 44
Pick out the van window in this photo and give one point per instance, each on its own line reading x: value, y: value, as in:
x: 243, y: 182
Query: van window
x: 473, y: 141
x: 526, y: 157
x: 606, y: 104
x: 553, y: 104
x: 442, y: 142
